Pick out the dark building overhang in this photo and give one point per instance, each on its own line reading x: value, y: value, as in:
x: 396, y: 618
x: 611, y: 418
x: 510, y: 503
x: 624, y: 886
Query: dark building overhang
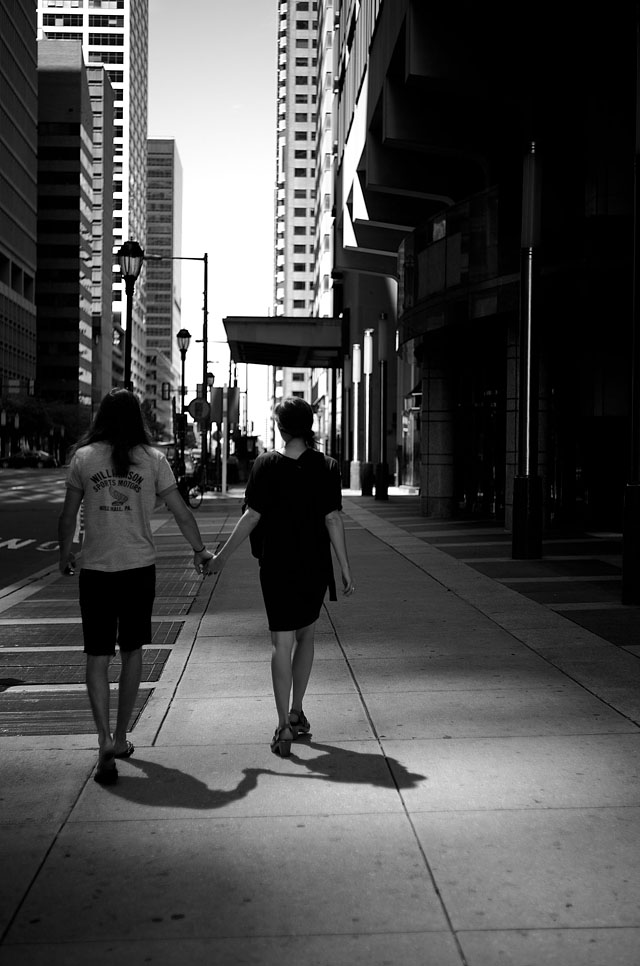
x: 284, y: 341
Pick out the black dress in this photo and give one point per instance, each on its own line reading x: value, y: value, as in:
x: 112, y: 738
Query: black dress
x: 291, y: 541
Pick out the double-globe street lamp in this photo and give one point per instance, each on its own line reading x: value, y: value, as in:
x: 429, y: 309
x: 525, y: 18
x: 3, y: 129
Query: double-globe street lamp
x: 130, y: 259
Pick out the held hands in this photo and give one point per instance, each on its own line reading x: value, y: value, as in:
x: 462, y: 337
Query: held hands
x: 216, y: 563
x: 201, y: 561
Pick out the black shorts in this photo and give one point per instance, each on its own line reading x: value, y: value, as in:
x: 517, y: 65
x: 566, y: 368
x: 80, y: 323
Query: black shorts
x: 116, y: 606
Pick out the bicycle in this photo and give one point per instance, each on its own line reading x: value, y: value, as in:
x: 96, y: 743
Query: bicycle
x: 196, y: 487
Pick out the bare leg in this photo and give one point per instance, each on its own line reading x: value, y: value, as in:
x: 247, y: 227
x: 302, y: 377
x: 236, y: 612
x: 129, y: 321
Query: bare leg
x: 302, y: 663
x: 128, y: 687
x: 281, y: 674
x: 97, y: 679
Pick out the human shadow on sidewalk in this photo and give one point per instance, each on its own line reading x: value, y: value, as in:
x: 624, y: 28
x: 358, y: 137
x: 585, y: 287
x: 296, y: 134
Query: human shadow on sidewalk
x: 159, y: 786
x: 162, y: 787
x: 352, y: 767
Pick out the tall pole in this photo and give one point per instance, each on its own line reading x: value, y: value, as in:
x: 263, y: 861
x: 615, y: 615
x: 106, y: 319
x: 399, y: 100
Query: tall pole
x: 183, y: 427
x: 527, y: 486
x: 354, y: 480
x: 367, y: 368
x: 205, y: 352
x: 631, y: 522
x: 225, y: 437
x: 382, y: 491
x: 129, y: 284
x: 333, y: 437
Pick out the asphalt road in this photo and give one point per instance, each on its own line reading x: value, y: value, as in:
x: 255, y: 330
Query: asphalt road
x: 30, y: 501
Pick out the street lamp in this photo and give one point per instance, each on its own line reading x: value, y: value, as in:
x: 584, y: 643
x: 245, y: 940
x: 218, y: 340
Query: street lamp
x: 130, y: 259
x: 184, y: 338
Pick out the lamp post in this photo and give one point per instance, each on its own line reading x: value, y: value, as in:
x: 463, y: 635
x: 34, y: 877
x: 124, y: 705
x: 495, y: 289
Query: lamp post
x: 184, y: 338
x: 356, y: 366
x: 130, y: 259
x: 382, y: 491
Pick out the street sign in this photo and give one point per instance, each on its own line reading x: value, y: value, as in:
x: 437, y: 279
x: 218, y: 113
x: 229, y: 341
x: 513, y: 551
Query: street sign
x: 199, y: 409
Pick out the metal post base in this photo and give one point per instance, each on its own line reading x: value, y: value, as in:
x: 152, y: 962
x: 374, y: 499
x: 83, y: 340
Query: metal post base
x: 382, y: 482
x: 354, y: 476
x: 367, y: 479
x: 527, y: 518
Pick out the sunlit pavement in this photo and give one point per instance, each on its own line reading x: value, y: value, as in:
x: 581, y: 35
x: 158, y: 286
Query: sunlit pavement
x: 469, y: 794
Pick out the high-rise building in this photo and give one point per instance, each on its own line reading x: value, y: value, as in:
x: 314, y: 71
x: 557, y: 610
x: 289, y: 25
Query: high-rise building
x: 18, y: 196
x: 325, y: 384
x: 324, y: 174
x: 101, y: 94
x: 114, y: 35
x: 65, y: 203
x: 295, y: 175
x: 164, y: 232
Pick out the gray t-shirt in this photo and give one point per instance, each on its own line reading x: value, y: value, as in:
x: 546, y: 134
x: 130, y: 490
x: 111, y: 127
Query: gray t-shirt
x: 117, y: 510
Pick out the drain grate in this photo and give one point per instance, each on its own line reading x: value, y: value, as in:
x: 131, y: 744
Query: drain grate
x: 54, y: 713
x: 38, y: 609
x: 170, y: 607
x: 170, y: 587
x: 50, y: 635
x: 41, y: 608
x: 65, y: 667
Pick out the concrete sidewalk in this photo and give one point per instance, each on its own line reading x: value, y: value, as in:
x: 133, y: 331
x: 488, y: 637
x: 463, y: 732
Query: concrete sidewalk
x: 469, y: 794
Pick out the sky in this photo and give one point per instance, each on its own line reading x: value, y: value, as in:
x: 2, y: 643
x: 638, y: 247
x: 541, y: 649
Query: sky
x: 212, y: 87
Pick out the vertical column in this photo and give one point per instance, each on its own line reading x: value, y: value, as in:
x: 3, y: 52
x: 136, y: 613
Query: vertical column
x: 511, y: 420
x: 527, y: 485
x: 382, y: 485
x: 356, y: 367
x: 631, y: 523
x: 437, y: 462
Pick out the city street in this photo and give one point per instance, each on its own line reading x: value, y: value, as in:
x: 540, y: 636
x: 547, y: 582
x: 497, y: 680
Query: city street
x: 30, y: 501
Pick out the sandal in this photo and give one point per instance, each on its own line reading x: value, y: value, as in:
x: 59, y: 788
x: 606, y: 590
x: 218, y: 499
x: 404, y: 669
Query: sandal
x: 279, y: 745
x: 106, y: 772
x: 298, y: 723
x: 129, y: 750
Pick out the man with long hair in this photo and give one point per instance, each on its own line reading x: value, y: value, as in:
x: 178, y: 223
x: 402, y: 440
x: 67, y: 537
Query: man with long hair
x: 118, y: 476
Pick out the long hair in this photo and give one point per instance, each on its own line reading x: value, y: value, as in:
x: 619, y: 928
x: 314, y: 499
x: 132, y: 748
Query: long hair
x: 295, y: 418
x: 119, y: 421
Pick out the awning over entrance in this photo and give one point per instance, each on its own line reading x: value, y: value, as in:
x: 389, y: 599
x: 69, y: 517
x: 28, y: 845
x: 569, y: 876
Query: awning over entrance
x: 304, y: 343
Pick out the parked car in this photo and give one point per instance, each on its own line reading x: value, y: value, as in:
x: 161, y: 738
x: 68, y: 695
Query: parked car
x: 37, y: 458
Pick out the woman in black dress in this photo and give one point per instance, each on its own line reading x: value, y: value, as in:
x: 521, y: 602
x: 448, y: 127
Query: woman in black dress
x: 293, y: 503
